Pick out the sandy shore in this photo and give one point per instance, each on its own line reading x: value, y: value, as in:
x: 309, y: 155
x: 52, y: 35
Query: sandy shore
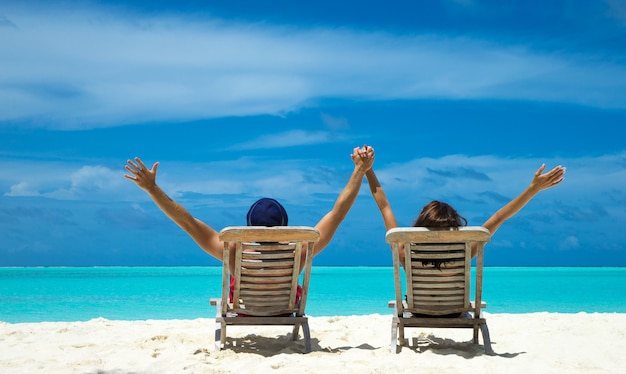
x: 524, y: 343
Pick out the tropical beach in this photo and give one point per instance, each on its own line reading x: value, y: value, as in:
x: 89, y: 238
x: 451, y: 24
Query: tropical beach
x: 157, y: 320
x: 524, y: 343
x: 238, y: 102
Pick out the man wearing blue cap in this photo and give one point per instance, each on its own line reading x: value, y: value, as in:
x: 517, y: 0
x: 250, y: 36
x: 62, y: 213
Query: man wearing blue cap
x: 264, y: 212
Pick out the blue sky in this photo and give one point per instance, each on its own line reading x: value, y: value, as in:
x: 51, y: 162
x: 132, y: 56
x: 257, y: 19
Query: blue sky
x: 463, y: 100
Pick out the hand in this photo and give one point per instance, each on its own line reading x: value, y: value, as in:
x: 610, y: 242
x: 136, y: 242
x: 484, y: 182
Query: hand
x: 552, y: 178
x: 363, y: 157
x: 142, y: 176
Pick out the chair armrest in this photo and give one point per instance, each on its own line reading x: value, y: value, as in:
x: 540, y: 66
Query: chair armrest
x: 482, y: 304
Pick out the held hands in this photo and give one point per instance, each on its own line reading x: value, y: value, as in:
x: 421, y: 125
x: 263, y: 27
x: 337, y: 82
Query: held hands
x: 552, y: 178
x: 363, y: 157
x: 142, y: 176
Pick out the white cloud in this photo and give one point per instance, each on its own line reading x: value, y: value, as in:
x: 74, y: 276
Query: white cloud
x: 60, y: 181
x: 105, y: 68
x: 88, y: 183
x: 21, y: 189
x: 288, y: 139
x: 93, y: 179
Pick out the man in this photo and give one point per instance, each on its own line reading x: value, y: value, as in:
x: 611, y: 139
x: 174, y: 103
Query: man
x: 208, y: 238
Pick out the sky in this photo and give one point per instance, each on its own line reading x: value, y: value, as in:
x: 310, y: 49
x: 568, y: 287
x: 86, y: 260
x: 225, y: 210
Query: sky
x: 462, y: 100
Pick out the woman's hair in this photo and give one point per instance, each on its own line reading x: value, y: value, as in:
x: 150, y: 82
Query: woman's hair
x: 437, y: 214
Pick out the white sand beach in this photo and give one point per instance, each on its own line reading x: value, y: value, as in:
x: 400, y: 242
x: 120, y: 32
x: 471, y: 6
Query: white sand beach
x: 524, y: 343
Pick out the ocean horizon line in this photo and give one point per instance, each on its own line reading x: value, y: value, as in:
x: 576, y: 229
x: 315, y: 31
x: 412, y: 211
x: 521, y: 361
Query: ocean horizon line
x: 314, y: 266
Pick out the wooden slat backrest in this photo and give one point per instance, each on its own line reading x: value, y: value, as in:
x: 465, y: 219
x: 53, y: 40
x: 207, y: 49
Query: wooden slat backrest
x: 266, y: 269
x: 430, y: 290
x: 442, y: 290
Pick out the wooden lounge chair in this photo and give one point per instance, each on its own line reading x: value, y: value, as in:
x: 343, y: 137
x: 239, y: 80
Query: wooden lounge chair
x: 438, y: 298
x: 267, y: 263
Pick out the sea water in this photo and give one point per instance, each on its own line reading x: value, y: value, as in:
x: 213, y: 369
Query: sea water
x: 140, y: 293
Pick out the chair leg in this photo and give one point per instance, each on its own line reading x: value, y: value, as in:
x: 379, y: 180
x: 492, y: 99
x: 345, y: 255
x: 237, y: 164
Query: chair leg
x: 394, y: 346
x: 220, y: 327
x: 475, y: 334
x: 220, y: 335
x: 294, y: 333
x: 307, y: 337
x: 223, y: 337
x: 487, y: 340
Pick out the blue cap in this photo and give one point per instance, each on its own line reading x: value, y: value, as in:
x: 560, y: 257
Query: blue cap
x: 267, y: 212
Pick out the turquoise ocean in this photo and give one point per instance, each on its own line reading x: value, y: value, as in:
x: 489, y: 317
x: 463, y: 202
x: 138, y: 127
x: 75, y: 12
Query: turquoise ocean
x: 141, y: 293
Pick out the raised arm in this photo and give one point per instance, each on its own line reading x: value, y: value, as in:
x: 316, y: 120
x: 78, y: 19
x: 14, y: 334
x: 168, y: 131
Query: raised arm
x: 539, y: 183
x: 206, y: 237
x: 383, y: 205
x: 363, y: 159
x: 381, y: 200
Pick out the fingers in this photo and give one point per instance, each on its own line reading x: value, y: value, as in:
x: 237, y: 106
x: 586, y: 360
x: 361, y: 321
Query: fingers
x: 366, y: 151
x: 554, y: 183
x: 367, y: 157
x: 131, y: 167
x: 363, y: 157
x: 556, y: 176
x: 550, y: 178
x: 540, y: 170
x: 358, y: 153
x: 141, y: 164
x: 556, y: 173
x: 138, y: 169
x: 138, y: 165
x: 355, y: 154
x: 557, y: 170
x: 130, y: 164
x: 132, y: 170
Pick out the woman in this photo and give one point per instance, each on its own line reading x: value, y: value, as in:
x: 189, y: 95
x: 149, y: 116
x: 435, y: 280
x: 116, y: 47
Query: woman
x: 438, y: 214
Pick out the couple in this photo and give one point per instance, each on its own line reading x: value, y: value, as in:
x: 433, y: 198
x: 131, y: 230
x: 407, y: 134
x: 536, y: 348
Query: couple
x: 269, y: 212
